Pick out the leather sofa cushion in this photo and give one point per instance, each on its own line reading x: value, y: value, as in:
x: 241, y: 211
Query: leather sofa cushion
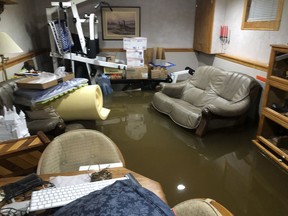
x: 204, y: 88
x: 180, y: 111
x: 235, y: 87
x: 185, y: 114
x: 202, y: 77
x: 6, y: 93
x: 199, y: 98
x: 163, y: 102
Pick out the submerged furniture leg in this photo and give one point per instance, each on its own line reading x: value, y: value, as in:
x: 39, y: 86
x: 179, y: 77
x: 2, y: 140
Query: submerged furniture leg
x: 206, y: 116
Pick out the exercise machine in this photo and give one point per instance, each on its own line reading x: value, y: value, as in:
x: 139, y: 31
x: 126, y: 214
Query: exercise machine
x: 81, y: 51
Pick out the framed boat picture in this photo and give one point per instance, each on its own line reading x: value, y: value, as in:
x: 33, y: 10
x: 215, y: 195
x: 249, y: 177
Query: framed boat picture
x: 120, y: 22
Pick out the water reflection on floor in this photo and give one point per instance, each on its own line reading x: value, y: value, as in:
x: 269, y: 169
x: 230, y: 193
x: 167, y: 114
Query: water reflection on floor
x: 224, y: 165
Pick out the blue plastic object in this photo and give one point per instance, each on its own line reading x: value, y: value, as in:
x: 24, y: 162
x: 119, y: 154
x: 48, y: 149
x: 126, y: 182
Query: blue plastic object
x: 104, y: 82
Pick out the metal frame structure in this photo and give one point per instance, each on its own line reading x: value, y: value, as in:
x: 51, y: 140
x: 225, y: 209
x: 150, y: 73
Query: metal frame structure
x: 92, y: 20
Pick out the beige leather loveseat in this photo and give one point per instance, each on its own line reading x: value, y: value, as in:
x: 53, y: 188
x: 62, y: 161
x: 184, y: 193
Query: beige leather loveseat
x: 211, y: 98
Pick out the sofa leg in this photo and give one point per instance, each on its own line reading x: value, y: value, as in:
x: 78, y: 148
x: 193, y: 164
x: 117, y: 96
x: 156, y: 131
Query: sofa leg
x: 200, y: 131
x: 206, y: 116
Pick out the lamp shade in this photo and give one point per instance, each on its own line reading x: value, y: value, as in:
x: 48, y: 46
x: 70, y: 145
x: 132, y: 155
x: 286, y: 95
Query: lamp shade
x: 7, y: 44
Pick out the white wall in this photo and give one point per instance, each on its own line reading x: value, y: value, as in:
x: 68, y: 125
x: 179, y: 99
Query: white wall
x: 252, y: 44
x: 219, y: 19
x: 166, y: 23
x: 182, y: 60
x: 170, y: 24
x: 18, y: 22
x: 230, y: 66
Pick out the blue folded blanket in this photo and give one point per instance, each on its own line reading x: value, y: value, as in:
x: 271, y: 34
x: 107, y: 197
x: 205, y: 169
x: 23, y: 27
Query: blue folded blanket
x: 32, y: 97
x: 123, y: 198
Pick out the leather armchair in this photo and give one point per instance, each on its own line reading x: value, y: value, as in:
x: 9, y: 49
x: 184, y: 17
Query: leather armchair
x: 46, y: 120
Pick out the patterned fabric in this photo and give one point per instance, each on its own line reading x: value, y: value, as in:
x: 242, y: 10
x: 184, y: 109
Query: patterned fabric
x: 123, y: 198
x: 32, y: 97
x: 62, y: 35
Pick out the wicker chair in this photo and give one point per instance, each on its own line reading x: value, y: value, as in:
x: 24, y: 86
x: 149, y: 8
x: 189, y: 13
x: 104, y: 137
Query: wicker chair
x: 201, y: 207
x: 76, y: 148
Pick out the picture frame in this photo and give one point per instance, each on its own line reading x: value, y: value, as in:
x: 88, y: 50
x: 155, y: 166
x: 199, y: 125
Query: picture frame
x: 120, y: 22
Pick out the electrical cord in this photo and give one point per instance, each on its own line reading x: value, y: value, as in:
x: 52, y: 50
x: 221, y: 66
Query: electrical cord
x: 12, y: 212
x: 12, y: 205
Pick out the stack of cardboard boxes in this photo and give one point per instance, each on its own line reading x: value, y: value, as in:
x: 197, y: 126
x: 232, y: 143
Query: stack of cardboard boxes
x: 136, y: 67
x: 158, y: 69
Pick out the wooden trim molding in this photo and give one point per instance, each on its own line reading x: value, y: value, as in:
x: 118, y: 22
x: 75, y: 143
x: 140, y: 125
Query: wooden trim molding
x: 241, y: 61
x: 252, y: 64
x: 166, y: 50
x: 7, y: 2
x: 179, y: 49
x: 245, y: 62
x: 24, y: 57
x: 112, y: 50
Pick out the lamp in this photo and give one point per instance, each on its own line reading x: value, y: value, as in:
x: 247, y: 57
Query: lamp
x: 3, y: 2
x: 7, y: 45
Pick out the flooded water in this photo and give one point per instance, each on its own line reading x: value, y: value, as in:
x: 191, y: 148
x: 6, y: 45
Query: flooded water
x: 223, y: 165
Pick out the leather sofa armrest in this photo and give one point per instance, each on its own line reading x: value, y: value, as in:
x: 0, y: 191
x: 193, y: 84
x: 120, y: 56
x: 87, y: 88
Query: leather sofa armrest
x: 173, y: 89
x: 224, y: 109
x: 228, y: 109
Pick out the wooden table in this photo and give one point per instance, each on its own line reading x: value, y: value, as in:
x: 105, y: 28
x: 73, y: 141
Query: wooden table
x: 147, y: 183
x: 20, y: 156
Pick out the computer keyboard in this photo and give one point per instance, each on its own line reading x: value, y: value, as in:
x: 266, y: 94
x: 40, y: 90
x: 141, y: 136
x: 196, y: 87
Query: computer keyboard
x: 60, y: 196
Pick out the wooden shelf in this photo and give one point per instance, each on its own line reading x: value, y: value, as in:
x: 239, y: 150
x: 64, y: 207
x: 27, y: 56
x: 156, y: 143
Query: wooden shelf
x: 266, y: 151
x: 273, y: 147
x: 275, y: 116
x: 278, y: 83
x: 274, y: 125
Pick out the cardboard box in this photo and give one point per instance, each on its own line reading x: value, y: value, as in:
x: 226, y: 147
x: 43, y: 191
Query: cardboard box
x: 138, y: 54
x: 135, y: 43
x: 135, y: 63
x: 159, y: 73
x: 137, y: 72
x: 109, y: 71
x: 41, y: 83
